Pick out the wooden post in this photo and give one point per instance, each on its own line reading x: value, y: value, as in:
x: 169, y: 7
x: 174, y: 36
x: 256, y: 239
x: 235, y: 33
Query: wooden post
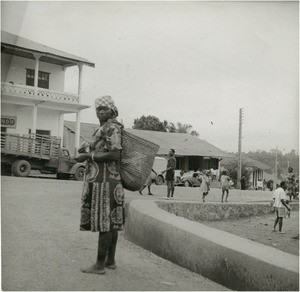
x: 239, y: 169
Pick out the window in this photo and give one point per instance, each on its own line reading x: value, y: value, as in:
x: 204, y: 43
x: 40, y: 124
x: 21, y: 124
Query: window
x: 41, y: 132
x: 43, y: 80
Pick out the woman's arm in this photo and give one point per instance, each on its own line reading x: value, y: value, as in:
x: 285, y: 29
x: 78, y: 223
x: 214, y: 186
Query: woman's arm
x: 113, y: 155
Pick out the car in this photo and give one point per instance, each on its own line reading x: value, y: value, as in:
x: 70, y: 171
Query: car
x: 178, y: 178
x: 159, y: 165
x: 191, y: 179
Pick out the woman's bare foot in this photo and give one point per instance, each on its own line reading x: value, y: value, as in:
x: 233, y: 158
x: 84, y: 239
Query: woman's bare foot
x: 94, y: 270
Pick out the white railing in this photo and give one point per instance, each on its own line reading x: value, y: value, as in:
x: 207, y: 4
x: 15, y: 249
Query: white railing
x: 40, y: 93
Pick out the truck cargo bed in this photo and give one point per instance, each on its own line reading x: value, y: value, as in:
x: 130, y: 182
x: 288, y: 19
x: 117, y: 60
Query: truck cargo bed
x: 30, y: 146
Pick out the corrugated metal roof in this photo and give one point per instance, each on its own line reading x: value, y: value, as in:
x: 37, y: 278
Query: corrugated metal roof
x: 185, y: 144
x: 51, y: 55
x: 268, y: 177
x: 247, y: 161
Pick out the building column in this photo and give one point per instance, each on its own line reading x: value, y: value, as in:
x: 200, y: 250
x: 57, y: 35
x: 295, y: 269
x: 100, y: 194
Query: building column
x: 78, y: 115
x: 61, y: 128
x: 80, y: 66
x: 36, y: 71
x: 34, y: 119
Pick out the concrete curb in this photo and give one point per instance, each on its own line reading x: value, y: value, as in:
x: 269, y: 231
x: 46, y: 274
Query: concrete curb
x: 229, y: 260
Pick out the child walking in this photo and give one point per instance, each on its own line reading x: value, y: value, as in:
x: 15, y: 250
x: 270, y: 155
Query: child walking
x: 205, y: 183
x: 225, y: 185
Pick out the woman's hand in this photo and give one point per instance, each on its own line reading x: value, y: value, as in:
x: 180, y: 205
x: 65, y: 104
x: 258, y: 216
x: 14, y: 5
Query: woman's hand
x: 83, y: 157
x: 81, y: 150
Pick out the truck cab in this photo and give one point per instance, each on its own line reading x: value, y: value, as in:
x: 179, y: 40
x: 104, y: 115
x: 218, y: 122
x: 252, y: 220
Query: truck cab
x: 69, y: 167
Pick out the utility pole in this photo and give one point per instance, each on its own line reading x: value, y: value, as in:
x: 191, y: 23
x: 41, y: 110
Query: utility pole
x: 239, y: 169
x: 276, y: 162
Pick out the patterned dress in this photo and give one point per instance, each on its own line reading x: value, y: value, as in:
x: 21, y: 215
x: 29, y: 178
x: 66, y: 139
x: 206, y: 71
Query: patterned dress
x: 291, y: 184
x: 102, y: 203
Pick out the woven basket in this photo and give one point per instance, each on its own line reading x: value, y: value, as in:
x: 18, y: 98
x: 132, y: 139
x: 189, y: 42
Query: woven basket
x: 136, y: 160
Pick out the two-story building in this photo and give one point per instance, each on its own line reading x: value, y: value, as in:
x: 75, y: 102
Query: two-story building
x: 33, y: 97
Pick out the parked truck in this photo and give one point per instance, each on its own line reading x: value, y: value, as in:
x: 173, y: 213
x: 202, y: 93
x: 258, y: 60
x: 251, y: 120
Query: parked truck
x: 21, y: 154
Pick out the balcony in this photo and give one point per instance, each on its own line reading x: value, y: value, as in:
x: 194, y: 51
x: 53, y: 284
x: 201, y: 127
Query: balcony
x: 38, y: 93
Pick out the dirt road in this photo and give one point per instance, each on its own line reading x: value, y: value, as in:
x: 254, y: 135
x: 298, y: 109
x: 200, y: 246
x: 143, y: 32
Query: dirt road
x: 43, y: 249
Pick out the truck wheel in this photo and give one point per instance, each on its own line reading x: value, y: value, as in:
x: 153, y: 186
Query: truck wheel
x: 21, y: 168
x: 79, y: 173
x: 159, y: 180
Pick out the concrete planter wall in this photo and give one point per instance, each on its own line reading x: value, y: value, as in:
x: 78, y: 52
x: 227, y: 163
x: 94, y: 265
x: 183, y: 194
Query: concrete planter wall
x: 232, y: 261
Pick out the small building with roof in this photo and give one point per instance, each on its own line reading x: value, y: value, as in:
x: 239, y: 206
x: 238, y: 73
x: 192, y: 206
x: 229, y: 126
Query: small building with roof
x: 32, y: 88
x: 257, y: 169
x: 191, y: 152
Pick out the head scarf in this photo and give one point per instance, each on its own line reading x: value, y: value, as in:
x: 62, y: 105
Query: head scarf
x: 107, y: 101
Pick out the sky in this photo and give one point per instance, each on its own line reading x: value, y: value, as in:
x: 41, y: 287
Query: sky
x: 196, y: 63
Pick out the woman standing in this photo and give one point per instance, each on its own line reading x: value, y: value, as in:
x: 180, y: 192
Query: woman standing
x: 102, y: 203
x: 291, y: 183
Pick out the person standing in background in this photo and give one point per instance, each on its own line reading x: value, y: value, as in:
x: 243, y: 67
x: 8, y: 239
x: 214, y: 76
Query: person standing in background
x: 225, y: 185
x: 148, y: 183
x: 280, y: 205
x: 205, y: 184
x: 170, y: 173
x: 291, y: 184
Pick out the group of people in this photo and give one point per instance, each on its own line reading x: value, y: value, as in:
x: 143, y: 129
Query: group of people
x: 205, y: 179
x: 280, y: 203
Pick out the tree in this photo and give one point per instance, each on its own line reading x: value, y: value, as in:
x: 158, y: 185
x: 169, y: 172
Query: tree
x: 182, y: 128
x: 153, y: 123
x: 194, y: 133
x: 150, y: 123
x: 171, y: 128
x: 232, y: 172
